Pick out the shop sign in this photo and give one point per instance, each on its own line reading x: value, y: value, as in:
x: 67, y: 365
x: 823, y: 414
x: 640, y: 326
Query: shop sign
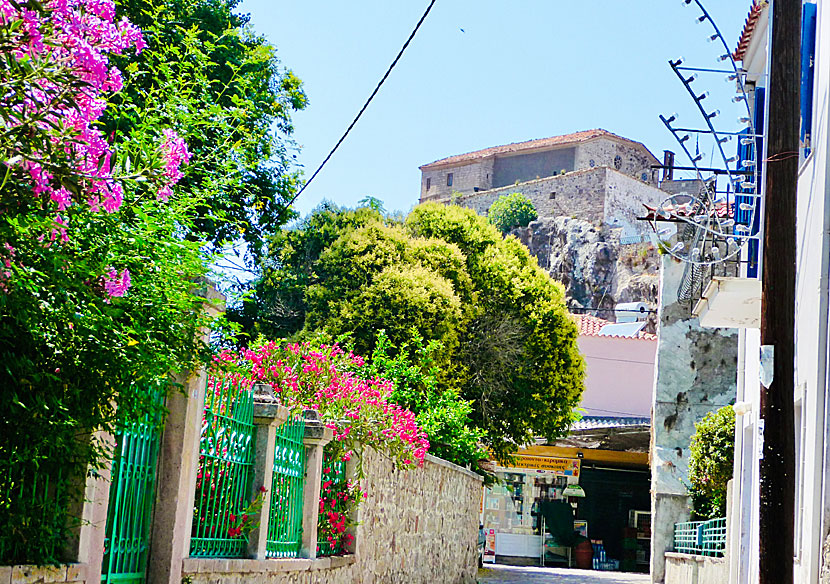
x: 568, y: 467
x: 490, y: 546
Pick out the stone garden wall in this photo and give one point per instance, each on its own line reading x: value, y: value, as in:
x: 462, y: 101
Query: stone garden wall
x: 417, y: 526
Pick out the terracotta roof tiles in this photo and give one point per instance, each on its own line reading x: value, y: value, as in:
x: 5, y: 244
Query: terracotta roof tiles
x: 749, y: 27
x: 590, y: 326
x: 563, y: 140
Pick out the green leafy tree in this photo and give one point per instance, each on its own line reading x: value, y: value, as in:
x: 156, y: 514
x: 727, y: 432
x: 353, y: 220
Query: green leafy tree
x: 235, y: 113
x: 441, y: 412
x: 710, y: 463
x: 507, y: 343
x: 511, y: 211
x: 99, y: 291
x: 518, y: 353
x: 274, y: 304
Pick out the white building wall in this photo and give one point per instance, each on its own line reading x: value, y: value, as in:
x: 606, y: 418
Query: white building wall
x: 812, y: 299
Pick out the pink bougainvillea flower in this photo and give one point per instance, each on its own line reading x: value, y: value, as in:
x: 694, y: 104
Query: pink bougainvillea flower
x: 60, y: 230
x: 165, y: 193
x: 62, y: 197
x: 116, y: 285
x: 174, y: 153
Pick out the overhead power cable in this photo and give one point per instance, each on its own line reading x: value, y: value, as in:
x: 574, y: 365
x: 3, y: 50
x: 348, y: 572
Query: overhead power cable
x: 365, y: 105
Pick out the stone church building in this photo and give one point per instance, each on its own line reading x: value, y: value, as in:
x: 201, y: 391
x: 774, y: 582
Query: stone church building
x: 593, y: 175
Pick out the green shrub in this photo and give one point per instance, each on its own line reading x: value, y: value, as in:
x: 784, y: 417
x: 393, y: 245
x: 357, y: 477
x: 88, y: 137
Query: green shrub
x: 511, y: 211
x: 710, y: 463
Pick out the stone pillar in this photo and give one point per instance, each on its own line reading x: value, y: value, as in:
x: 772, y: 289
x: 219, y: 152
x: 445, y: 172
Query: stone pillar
x: 267, y: 417
x: 86, y: 545
x: 177, y: 467
x: 317, y: 435
x: 696, y: 373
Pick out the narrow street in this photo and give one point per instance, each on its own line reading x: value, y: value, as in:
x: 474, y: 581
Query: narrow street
x: 532, y: 575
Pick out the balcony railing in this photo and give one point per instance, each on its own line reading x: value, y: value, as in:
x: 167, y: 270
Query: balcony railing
x: 701, y: 538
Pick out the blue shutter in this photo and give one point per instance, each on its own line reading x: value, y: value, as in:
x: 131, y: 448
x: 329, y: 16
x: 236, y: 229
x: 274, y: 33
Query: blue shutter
x: 808, y: 56
x: 755, y: 152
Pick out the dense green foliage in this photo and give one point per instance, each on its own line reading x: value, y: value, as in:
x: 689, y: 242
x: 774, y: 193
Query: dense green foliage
x: 710, y: 463
x: 234, y: 113
x: 511, y: 211
x: 507, y: 343
x: 74, y: 356
x: 440, y: 411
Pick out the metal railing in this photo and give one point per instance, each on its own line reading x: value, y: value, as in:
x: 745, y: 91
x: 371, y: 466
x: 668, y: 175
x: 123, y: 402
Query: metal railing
x: 223, y: 482
x: 332, y: 492
x: 34, y: 501
x: 701, y: 538
x: 132, y: 494
x: 285, y: 522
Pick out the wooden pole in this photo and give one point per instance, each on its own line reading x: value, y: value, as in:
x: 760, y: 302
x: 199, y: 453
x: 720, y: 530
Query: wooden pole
x: 777, y: 489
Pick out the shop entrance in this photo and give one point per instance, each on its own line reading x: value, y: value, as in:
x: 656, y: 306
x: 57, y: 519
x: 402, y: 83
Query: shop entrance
x: 616, y: 506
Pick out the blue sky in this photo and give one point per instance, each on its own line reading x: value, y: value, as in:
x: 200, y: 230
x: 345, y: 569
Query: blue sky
x: 519, y: 70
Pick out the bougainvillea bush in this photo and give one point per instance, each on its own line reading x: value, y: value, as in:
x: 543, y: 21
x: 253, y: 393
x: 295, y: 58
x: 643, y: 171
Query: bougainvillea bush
x: 97, y: 300
x: 326, y: 378
x: 359, y: 409
x: 339, y: 498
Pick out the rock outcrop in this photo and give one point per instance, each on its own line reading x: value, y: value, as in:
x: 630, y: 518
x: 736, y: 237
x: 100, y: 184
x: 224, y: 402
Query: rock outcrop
x: 597, y: 271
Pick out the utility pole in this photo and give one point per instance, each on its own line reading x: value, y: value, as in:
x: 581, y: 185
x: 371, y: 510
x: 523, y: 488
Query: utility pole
x: 777, y: 501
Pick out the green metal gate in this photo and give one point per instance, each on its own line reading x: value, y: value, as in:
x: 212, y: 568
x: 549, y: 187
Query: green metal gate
x: 223, y: 480
x: 132, y: 492
x: 285, y: 524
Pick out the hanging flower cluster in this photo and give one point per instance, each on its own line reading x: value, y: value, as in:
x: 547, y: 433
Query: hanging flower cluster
x: 55, y: 81
x: 339, y: 498
x: 323, y: 378
x: 70, y: 40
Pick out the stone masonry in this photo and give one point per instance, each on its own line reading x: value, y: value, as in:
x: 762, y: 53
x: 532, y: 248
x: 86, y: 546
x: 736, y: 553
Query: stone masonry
x: 600, y: 195
x: 503, y: 166
x: 418, y: 526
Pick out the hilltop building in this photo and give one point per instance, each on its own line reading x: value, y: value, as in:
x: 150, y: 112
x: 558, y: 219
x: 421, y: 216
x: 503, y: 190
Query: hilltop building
x: 592, y: 175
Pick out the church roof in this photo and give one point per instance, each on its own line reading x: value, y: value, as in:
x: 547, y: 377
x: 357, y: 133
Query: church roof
x: 564, y: 140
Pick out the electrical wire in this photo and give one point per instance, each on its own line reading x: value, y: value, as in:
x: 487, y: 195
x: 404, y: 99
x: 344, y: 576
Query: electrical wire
x: 365, y: 105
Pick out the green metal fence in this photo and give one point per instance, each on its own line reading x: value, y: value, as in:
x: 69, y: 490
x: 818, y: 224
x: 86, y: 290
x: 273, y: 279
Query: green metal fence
x: 223, y: 482
x: 34, y: 500
x: 132, y: 492
x: 285, y: 523
x: 701, y: 538
x: 333, y: 484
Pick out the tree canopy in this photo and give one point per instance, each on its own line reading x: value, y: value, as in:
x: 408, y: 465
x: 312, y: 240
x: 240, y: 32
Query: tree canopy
x: 234, y: 112
x: 511, y: 211
x: 710, y: 462
x: 444, y: 275
x: 138, y: 139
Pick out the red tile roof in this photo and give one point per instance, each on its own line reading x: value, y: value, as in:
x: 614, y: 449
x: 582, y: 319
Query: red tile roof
x: 563, y: 140
x: 758, y: 7
x: 589, y: 326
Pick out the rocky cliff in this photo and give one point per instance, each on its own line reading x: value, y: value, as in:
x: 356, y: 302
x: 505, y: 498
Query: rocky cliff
x: 596, y: 270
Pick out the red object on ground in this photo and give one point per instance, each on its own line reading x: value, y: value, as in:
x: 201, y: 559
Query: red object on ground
x: 583, y: 555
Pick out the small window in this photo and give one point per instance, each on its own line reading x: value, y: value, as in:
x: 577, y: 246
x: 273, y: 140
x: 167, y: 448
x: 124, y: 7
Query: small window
x: 429, y: 181
x: 449, y: 179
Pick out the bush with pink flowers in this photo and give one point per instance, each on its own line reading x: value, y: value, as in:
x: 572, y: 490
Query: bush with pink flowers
x: 97, y: 295
x: 326, y: 378
x: 359, y: 409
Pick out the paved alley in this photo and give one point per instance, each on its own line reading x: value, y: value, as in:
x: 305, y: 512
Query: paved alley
x: 532, y: 575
